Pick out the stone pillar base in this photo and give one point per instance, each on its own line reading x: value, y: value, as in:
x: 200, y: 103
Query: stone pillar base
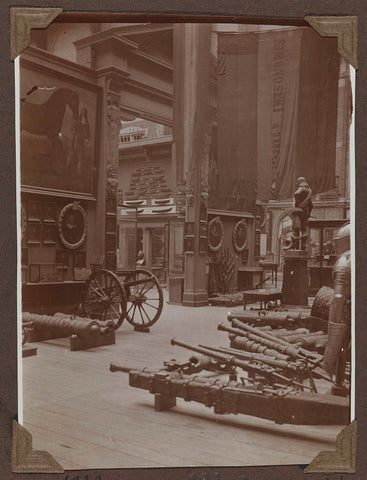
x: 295, y: 278
x: 196, y: 281
x: 195, y: 299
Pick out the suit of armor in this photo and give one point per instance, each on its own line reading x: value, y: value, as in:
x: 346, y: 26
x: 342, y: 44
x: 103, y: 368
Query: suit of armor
x: 303, y: 200
x: 300, y: 214
x: 339, y: 313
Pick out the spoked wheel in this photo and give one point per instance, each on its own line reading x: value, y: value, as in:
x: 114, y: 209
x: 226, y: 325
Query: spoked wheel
x: 104, y: 298
x: 144, y: 298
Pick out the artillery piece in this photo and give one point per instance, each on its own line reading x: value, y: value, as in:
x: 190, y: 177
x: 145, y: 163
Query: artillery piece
x: 134, y: 295
x: 107, y: 299
x: 294, y: 327
x: 241, y: 382
x: 83, y: 332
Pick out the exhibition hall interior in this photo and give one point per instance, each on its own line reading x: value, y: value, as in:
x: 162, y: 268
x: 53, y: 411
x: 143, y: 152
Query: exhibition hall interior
x: 185, y: 251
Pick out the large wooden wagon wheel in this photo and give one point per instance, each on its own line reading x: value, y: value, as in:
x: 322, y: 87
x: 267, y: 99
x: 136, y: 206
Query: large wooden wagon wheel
x: 104, y: 298
x: 144, y: 298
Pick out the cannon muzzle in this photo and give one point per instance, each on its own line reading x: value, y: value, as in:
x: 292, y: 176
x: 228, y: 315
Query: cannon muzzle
x: 120, y: 368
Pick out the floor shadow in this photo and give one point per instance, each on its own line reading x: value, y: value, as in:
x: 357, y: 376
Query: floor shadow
x: 232, y: 422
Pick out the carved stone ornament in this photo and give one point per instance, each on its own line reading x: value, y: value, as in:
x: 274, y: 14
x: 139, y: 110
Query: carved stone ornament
x: 111, y: 170
x: 343, y: 459
x: 344, y: 28
x: 240, y: 234
x: 215, y: 234
x: 112, y: 187
x: 21, y: 22
x: 190, y: 197
x: 26, y: 460
x: 113, y: 87
x: 72, y: 225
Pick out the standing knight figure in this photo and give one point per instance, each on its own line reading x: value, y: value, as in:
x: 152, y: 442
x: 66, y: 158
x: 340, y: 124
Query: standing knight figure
x: 300, y: 214
x: 337, y: 348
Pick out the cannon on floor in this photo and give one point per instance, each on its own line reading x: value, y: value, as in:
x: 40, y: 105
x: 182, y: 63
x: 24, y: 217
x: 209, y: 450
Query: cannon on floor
x: 234, y: 382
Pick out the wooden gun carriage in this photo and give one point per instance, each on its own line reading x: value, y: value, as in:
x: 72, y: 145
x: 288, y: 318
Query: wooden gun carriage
x: 281, y: 381
x: 234, y: 383
x: 135, y: 295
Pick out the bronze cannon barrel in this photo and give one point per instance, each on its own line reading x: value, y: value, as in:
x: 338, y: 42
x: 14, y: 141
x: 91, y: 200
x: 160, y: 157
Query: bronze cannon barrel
x: 67, y: 325
x: 248, y: 345
x: 120, y: 368
x: 106, y: 328
x: 267, y: 318
x: 267, y: 336
x: 231, y: 360
x: 244, y: 355
x: 286, y: 349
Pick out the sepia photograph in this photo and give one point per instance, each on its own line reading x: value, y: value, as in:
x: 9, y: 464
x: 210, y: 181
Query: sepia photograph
x: 186, y: 226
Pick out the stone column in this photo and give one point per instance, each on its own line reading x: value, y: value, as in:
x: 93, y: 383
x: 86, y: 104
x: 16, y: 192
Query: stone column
x: 191, y: 140
x: 113, y: 125
x: 106, y: 54
x: 147, y: 245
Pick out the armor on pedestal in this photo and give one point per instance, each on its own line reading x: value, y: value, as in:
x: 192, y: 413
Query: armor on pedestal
x: 300, y: 214
x: 295, y: 277
x: 339, y: 313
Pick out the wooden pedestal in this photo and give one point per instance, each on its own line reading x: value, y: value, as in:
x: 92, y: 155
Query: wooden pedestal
x: 163, y: 402
x: 76, y: 342
x: 40, y: 335
x: 82, y: 343
x: 141, y: 328
x: 295, y: 278
x: 28, y: 351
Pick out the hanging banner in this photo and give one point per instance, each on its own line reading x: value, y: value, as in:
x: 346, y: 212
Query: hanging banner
x: 278, y: 74
x: 277, y: 114
x: 317, y: 111
x: 237, y: 122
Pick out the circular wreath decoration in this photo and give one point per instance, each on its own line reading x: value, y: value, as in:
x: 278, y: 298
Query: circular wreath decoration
x: 72, y: 225
x: 240, y: 236
x: 215, y: 234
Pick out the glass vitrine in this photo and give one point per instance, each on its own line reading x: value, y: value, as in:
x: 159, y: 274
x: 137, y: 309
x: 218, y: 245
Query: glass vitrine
x: 322, y: 254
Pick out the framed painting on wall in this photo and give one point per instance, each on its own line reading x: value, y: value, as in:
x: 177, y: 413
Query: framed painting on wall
x: 58, y: 132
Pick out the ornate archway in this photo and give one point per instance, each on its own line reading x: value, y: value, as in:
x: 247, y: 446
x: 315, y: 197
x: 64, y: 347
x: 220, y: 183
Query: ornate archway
x: 281, y: 226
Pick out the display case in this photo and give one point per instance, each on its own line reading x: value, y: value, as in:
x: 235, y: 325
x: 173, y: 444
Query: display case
x: 322, y: 254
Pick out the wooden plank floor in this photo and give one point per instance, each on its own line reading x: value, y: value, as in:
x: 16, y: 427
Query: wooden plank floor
x: 88, y: 417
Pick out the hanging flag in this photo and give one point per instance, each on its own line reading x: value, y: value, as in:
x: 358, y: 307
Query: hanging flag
x: 277, y: 114
x: 317, y: 111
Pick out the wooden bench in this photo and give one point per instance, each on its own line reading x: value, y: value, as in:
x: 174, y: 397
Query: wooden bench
x: 262, y: 295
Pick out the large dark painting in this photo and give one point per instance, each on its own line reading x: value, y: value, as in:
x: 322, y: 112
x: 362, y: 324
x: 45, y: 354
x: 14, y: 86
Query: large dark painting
x: 57, y: 132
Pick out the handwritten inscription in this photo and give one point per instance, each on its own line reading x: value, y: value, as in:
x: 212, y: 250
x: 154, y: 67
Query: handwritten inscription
x: 244, y: 476
x: 83, y: 477
x: 193, y: 476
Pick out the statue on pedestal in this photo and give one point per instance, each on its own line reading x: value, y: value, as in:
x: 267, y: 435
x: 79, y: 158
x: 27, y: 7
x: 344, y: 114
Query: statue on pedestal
x: 302, y: 201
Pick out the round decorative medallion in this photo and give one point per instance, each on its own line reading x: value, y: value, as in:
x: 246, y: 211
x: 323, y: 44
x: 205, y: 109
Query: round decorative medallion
x: 240, y: 236
x: 72, y: 225
x: 215, y: 234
